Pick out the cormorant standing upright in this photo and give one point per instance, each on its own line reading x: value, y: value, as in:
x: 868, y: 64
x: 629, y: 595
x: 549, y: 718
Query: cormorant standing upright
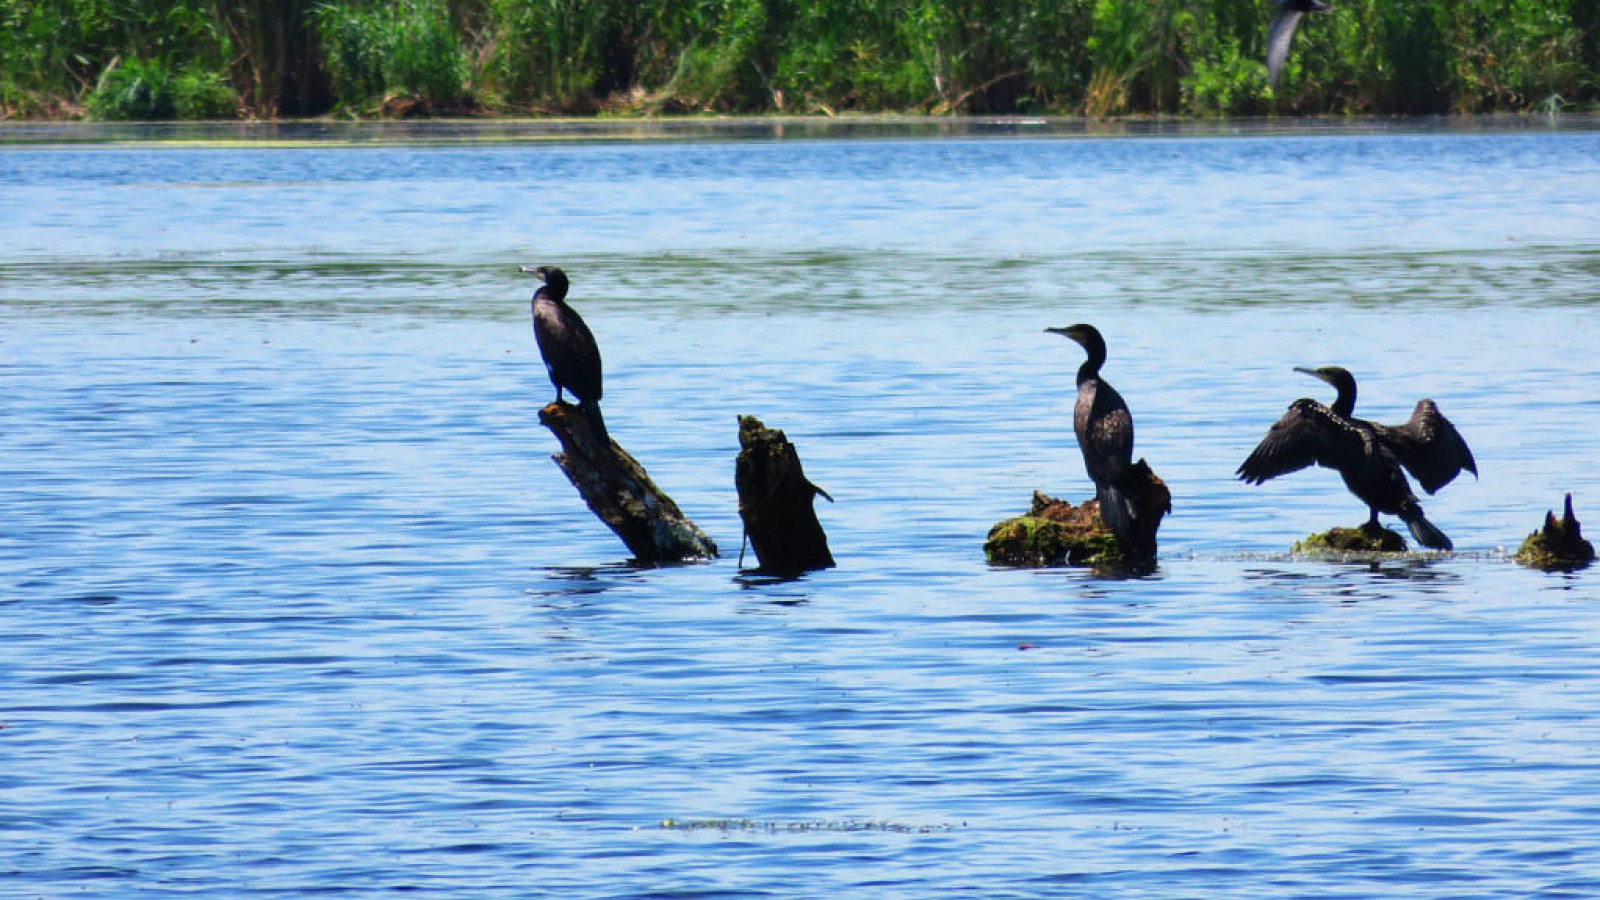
x: 1105, y: 434
x: 1367, y: 455
x: 1281, y: 32
x: 570, y: 353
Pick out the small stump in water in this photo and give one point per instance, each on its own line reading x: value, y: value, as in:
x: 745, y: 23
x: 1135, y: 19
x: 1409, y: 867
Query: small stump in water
x: 1558, y: 546
x: 621, y: 494
x: 1368, y: 538
x: 1055, y: 533
x: 776, y: 502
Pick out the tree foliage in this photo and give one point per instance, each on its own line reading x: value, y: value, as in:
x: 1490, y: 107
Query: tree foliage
x: 209, y: 58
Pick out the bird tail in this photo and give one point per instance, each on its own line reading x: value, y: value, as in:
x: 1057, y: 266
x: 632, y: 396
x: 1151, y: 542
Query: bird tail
x: 1424, y: 531
x: 591, y: 411
x: 1117, y: 511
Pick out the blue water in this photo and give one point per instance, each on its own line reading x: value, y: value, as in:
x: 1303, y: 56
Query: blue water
x: 292, y: 599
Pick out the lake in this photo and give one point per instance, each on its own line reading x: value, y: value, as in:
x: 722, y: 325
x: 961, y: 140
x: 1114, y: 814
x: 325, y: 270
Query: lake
x: 294, y: 600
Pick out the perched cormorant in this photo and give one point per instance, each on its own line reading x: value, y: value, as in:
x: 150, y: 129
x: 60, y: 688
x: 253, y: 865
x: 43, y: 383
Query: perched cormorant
x: 570, y: 353
x: 1105, y: 433
x: 1369, y: 456
x: 1281, y: 31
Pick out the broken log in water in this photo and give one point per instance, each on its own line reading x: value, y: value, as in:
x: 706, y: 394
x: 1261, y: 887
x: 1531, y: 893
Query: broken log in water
x: 1151, y: 502
x: 1053, y: 533
x: 618, y: 490
x: 1364, y: 538
x: 777, y: 502
x: 1057, y: 533
x: 1559, y: 546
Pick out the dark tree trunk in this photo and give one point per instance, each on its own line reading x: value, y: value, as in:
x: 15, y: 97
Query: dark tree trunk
x: 776, y: 502
x: 618, y: 491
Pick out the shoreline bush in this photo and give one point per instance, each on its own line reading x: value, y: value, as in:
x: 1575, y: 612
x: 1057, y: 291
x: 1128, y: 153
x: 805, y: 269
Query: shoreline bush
x: 222, y: 58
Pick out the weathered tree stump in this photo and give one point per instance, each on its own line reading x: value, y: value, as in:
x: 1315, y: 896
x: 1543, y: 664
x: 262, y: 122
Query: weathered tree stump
x: 621, y: 494
x: 777, y: 502
x: 1558, y: 546
x: 1053, y: 533
x: 1365, y: 538
x: 1056, y: 533
x: 1151, y: 501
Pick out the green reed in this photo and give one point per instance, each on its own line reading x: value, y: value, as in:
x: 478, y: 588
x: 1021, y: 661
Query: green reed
x: 207, y: 58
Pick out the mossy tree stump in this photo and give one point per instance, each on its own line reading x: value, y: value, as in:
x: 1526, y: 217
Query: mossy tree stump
x: 1057, y: 533
x: 621, y: 494
x: 1558, y: 546
x: 1151, y: 502
x: 1367, y: 538
x: 778, y: 503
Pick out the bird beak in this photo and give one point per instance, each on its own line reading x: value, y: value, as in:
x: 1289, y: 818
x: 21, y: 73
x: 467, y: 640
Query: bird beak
x: 531, y: 270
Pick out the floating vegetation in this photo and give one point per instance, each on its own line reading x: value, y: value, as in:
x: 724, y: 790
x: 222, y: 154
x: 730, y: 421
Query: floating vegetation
x: 1054, y: 533
x: 1368, y: 538
x: 835, y: 826
x: 1559, y: 546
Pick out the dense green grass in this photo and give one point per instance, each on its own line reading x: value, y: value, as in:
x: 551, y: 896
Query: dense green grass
x: 222, y: 58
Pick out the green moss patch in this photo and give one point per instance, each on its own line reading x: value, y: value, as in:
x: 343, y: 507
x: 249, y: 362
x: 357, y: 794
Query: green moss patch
x: 1558, y: 546
x: 1365, y: 539
x: 1055, y: 533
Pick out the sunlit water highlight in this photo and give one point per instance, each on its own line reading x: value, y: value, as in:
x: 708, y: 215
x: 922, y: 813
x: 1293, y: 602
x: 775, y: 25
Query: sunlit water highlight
x: 294, y: 601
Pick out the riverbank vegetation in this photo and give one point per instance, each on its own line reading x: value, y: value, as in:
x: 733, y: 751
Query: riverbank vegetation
x: 121, y: 59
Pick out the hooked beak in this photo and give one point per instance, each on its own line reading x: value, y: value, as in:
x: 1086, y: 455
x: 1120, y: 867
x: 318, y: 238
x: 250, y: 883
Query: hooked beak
x: 1312, y: 372
x: 1071, y: 331
x: 535, y: 271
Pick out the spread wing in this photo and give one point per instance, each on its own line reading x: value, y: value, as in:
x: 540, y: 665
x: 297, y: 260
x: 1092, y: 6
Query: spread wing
x: 1279, y: 34
x: 1429, y: 446
x: 1308, y: 433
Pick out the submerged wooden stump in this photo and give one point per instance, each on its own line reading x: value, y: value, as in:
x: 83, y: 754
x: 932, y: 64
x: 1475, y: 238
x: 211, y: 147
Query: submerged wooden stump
x: 777, y: 502
x: 1558, y: 546
x: 1057, y: 533
x: 1366, y: 538
x: 1053, y: 533
x: 618, y: 490
x: 1152, y: 501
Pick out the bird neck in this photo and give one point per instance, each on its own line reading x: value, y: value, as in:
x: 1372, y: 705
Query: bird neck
x: 1090, y: 370
x: 1345, y: 403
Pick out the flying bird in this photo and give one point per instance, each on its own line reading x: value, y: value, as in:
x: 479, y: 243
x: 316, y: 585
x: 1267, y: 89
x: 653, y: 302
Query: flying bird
x: 1281, y: 32
x: 1368, y: 456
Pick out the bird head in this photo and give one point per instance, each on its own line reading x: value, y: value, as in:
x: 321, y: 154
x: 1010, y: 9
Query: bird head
x: 1342, y: 381
x: 1086, y: 336
x: 1083, y: 334
x: 1333, y: 375
x: 552, y: 276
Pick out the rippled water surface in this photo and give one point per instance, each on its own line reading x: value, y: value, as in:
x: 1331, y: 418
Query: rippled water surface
x: 293, y: 599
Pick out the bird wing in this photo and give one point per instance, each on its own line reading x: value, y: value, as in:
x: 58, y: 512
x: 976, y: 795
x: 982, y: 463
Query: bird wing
x: 1111, y: 437
x: 1279, y: 34
x: 1107, y: 436
x: 569, y: 349
x: 1429, y: 446
x: 1309, y: 432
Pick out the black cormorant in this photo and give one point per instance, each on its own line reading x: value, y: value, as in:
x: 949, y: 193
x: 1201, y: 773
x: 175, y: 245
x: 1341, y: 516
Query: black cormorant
x: 1281, y: 31
x: 1105, y: 433
x: 570, y: 353
x: 1369, y: 456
